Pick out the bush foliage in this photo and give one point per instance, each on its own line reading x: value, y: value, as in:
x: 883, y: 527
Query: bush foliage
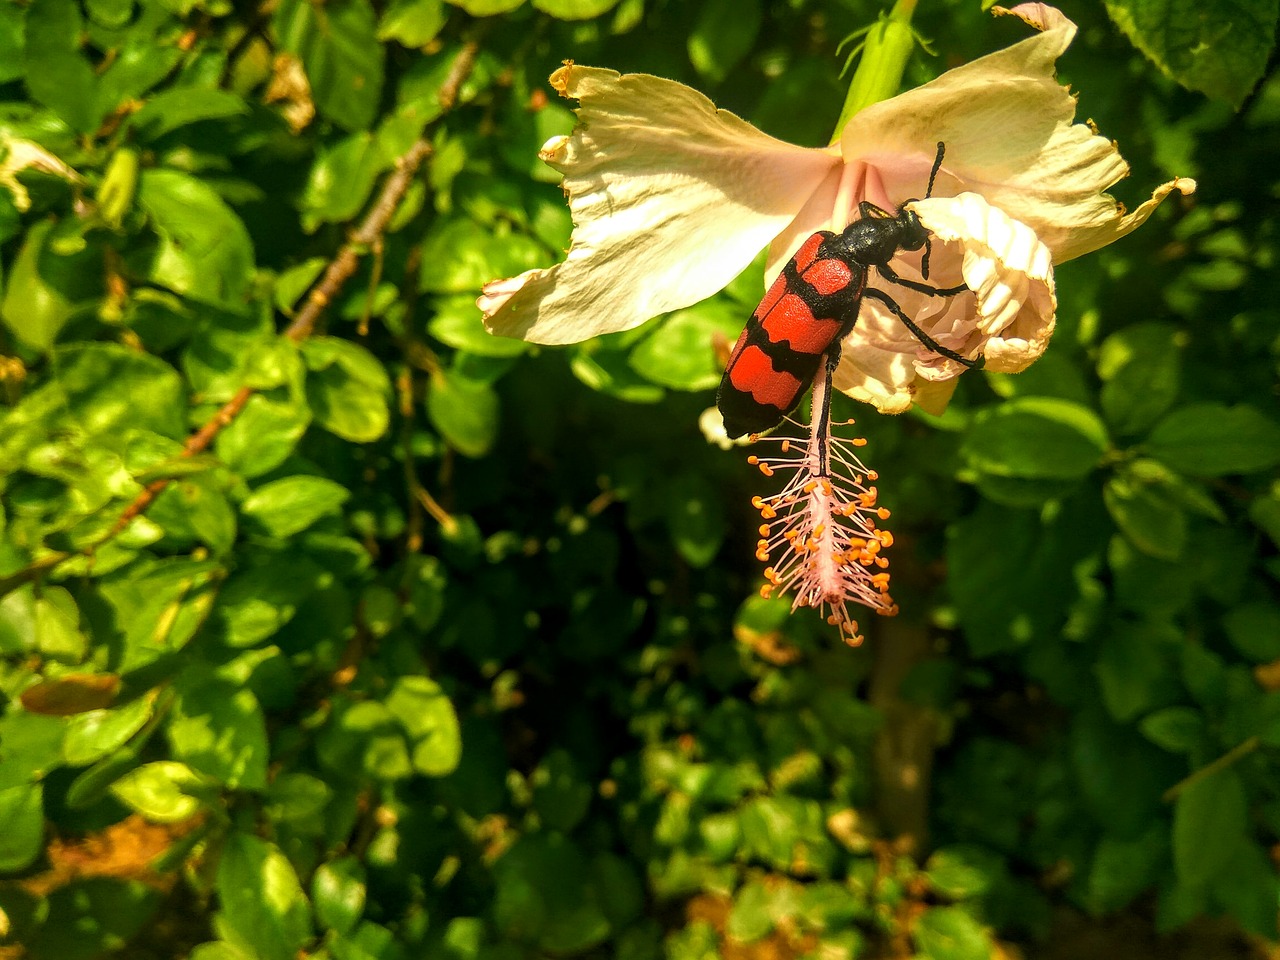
x: 333, y: 627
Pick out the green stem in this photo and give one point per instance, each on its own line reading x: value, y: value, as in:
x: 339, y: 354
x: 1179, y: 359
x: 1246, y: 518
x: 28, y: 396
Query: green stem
x: 884, y: 60
x: 1242, y: 749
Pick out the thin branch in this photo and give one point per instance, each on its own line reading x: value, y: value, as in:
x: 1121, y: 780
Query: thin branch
x: 1240, y: 750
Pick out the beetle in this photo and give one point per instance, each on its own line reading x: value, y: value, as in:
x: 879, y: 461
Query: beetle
x: 812, y: 306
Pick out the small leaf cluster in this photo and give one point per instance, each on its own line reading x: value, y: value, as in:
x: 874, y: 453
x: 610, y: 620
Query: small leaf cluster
x: 331, y: 626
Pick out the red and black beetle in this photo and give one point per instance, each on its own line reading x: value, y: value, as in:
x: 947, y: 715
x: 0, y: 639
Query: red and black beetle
x: 813, y: 305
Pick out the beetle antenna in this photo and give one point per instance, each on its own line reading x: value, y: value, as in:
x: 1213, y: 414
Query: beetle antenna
x: 924, y: 261
x: 937, y: 165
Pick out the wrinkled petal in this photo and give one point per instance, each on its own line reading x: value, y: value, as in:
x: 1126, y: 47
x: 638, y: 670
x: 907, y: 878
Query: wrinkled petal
x: 1008, y: 314
x: 671, y: 199
x: 1009, y: 133
x: 1010, y: 271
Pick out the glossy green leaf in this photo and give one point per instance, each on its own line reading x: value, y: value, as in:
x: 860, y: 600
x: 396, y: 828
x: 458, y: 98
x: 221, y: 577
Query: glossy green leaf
x: 1213, y: 440
x: 91, y: 736
x: 347, y: 389
x: 173, y: 109
x: 263, y: 435
x: 205, y: 252
x: 264, y: 911
x: 1194, y: 54
x: 45, y: 289
x: 165, y: 791
x: 486, y: 8
x: 1147, y: 515
x: 682, y: 352
x: 289, y: 505
x: 1254, y: 630
x: 1140, y: 367
x: 1210, y: 818
x: 338, y: 45
x: 560, y: 793
x: 950, y: 933
x: 338, y: 893
x: 428, y: 717
x: 413, y: 23
x: 219, y: 731
x: 465, y: 412
x: 1036, y: 438
x: 21, y: 826
x: 341, y: 180
x: 57, y: 73
x: 1177, y: 729
x: 575, y: 9
x: 723, y: 34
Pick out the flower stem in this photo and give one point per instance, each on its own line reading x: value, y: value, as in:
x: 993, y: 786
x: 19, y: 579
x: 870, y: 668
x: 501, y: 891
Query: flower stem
x: 884, y: 60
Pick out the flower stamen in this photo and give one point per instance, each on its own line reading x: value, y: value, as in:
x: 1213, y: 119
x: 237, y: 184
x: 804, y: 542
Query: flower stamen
x: 820, y: 535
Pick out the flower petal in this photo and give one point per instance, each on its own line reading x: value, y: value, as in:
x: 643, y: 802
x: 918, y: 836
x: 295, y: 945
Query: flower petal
x: 671, y: 199
x: 1008, y: 315
x: 1010, y: 272
x: 1007, y: 125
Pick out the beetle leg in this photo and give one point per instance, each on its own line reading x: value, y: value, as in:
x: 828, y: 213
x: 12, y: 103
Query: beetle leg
x: 920, y: 335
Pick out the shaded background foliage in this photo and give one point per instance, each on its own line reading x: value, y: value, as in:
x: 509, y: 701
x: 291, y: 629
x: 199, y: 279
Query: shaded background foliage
x: 433, y: 644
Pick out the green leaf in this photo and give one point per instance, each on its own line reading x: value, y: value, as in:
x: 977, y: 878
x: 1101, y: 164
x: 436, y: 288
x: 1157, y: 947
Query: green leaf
x: 1140, y: 368
x: 170, y: 110
x: 465, y: 412
x: 264, y: 594
x: 1218, y: 49
x: 164, y: 791
x: 45, y: 289
x: 560, y: 794
x: 1123, y: 869
x: 338, y: 45
x: 12, y: 40
x: 695, y: 516
x: 263, y: 436
x: 428, y: 717
x: 30, y: 747
x: 1136, y: 668
x: 486, y: 8
x: 1146, y: 514
x: 218, y: 729
x: 342, y: 178
x: 195, y: 510
x: 725, y: 32
x: 57, y: 74
x: 1213, y: 440
x: 961, y: 872
x: 460, y: 255
x: 291, y: 504
x: 205, y: 252
x: 1254, y: 630
x: 93, y: 735
x: 575, y: 9
x: 347, y: 388
x: 949, y: 933
x: 264, y: 911
x: 457, y: 323
x: 544, y: 895
x: 750, y: 919
x: 413, y: 23
x: 21, y: 826
x: 1036, y: 438
x: 1176, y: 729
x: 110, y: 388
x: 681, y: 352
x: 1210, y: 820
x: 338, y: 894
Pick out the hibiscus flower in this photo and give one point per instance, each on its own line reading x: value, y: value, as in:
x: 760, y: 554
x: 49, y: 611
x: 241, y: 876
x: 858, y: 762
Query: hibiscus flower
x: 672, y: 199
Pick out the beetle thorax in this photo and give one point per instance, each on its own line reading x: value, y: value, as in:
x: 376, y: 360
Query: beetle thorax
x: 872, y: 241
